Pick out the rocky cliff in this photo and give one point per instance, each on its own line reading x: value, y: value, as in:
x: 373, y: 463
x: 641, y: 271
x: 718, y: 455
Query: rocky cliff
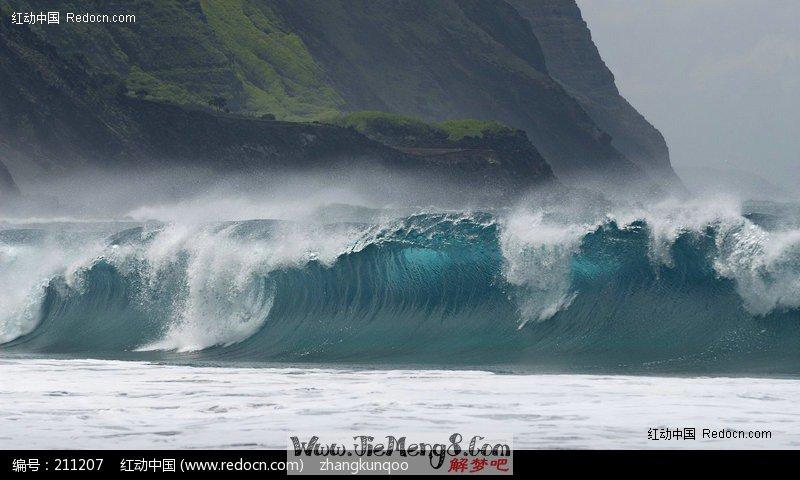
x: 57, y: 117
x: 306, y: 60
x: 451, y: 59
x: 478, y: 154
x: 574, y: 61
x: 53, y: 116
x: 7, y: 185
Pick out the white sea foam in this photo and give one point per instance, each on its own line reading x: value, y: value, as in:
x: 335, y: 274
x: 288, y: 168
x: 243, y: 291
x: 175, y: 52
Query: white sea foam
x: 25, y: 272
x: 225, y: 291
x: 228, y: 291
x: 764, y: 265
x: 537, y: 258
x: 96, y: 404
x: 668, y: 219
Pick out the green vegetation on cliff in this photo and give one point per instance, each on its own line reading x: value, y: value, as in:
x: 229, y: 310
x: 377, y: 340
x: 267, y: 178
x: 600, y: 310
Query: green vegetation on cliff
x: 399, y: 130
x: 189, y: 52
x: 460, y: 129
x: 312, y: 60
x: 303, y: 60
x: 277, y: 72
x: 504, y: 157
x: 58, y: 115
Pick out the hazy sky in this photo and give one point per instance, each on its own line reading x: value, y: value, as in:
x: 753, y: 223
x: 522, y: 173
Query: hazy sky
x: 719, y: 78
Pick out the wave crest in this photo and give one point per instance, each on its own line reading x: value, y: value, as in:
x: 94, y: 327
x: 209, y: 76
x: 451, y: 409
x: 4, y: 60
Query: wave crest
x: 524, y: 287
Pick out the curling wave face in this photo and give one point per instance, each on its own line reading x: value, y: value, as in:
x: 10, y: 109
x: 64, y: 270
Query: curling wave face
x: 678, y: 288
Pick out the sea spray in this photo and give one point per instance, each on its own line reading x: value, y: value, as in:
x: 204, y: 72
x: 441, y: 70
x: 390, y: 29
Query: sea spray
x: 523, y: 287
x: 29, y: 260
x: 537, y: 260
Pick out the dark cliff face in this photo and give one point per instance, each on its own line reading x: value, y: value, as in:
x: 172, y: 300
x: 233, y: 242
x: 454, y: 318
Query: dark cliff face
x: 573, y: 59
x: 58, y: 118
x: 451, y: 59
x: 53, y: 117
x: 7, y: 185
x: 304, y: 60
x: 482, y: 156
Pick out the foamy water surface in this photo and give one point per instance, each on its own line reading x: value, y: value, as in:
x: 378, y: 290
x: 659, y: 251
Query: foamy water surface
x: 114, y: 404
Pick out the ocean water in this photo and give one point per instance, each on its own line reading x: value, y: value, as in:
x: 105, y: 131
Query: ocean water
x: 599, y: 325
x: 679, y: 288
x: 102, y: 404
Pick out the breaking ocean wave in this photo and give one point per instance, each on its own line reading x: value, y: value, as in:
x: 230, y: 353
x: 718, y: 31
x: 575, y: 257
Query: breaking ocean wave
x: 678, y: 288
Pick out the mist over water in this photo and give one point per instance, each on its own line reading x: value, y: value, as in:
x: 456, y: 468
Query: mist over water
x: 371, y: 221
x: 297, y: 268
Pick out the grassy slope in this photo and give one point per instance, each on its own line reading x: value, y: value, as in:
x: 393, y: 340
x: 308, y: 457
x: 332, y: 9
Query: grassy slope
x: 66, y: 119
x: 188, y: 51
x: 458, y: 130
x: 399, y: 130
x: 310, y: 59
x: 169, y: 54
x: 450, y: 59
x: 277, y: 72
x: 421, y: 58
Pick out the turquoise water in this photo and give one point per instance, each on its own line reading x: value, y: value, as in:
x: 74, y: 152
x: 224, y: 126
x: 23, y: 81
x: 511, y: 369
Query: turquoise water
x: 680, y: 292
